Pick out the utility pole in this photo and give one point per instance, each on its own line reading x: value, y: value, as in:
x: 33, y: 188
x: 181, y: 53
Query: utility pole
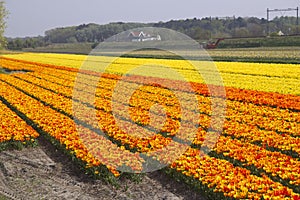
x: 210, y: 33
x: 268, y: 16
x: 297, y: 20
x: 234, y: 26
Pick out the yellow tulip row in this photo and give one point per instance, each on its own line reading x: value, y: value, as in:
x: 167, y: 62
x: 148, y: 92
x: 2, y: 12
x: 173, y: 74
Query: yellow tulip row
x: 282, y: 70
x: 286, y: 101
x: 281, y: 78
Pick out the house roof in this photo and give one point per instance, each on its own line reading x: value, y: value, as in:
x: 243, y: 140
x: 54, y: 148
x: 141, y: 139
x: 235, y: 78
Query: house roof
x: 138, y: 34
x: 135, y: 33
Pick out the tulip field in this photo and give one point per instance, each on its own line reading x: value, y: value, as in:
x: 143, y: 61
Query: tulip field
x: 256, y: 156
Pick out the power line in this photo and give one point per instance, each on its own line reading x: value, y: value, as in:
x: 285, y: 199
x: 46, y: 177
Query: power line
x: 282, y: 10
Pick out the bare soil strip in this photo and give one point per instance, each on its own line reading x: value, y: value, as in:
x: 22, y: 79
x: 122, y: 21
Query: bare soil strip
x: 45, y: 173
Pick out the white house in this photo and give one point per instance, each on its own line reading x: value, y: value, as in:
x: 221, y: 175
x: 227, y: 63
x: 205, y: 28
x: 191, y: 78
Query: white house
x: 280, y: 33
x: 140, y: 36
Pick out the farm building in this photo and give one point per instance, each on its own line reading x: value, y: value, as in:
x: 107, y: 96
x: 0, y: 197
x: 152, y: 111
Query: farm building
x: 140, y: 36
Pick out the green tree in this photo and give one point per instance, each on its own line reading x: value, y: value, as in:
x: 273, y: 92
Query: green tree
x: 3, y: 16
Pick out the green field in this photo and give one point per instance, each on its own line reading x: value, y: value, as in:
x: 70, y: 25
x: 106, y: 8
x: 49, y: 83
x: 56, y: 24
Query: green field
x: 277, y: 41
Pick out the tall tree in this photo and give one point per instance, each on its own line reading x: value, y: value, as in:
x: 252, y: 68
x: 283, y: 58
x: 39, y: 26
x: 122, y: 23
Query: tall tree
x: 3, y: 16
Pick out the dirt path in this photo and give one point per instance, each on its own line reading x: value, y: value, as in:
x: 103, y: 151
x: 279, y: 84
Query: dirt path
x: 43, y: 173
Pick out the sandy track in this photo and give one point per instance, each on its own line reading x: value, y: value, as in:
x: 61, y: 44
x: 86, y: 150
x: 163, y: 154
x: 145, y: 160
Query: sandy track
x: 44, y: 173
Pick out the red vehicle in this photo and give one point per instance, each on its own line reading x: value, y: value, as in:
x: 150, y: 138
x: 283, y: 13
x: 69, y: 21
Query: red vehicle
x: 211, y: 44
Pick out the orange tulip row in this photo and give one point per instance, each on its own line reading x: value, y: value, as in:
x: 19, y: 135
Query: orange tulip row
x: 284, y: 99
x: 106, y: 119
x: 281, y: 125
x: 283, y: 121
x: 234, y: 182
x: 277, y: 168
x: 253, y: 134
x: 211, y: 166
x: 289, y: 172
x: 64, y: 130
x: 284, y: 170
x: 274, y: 163
x: 294, y: 125
x: 108, y: 125
x: 240, y: 184
x: 13, y: 128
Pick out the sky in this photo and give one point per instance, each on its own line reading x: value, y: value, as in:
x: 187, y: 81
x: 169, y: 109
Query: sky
x: 34, y: 17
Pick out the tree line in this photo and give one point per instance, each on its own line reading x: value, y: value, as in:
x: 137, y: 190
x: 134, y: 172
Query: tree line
x: 3, y: 16
x: 198, y: 29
